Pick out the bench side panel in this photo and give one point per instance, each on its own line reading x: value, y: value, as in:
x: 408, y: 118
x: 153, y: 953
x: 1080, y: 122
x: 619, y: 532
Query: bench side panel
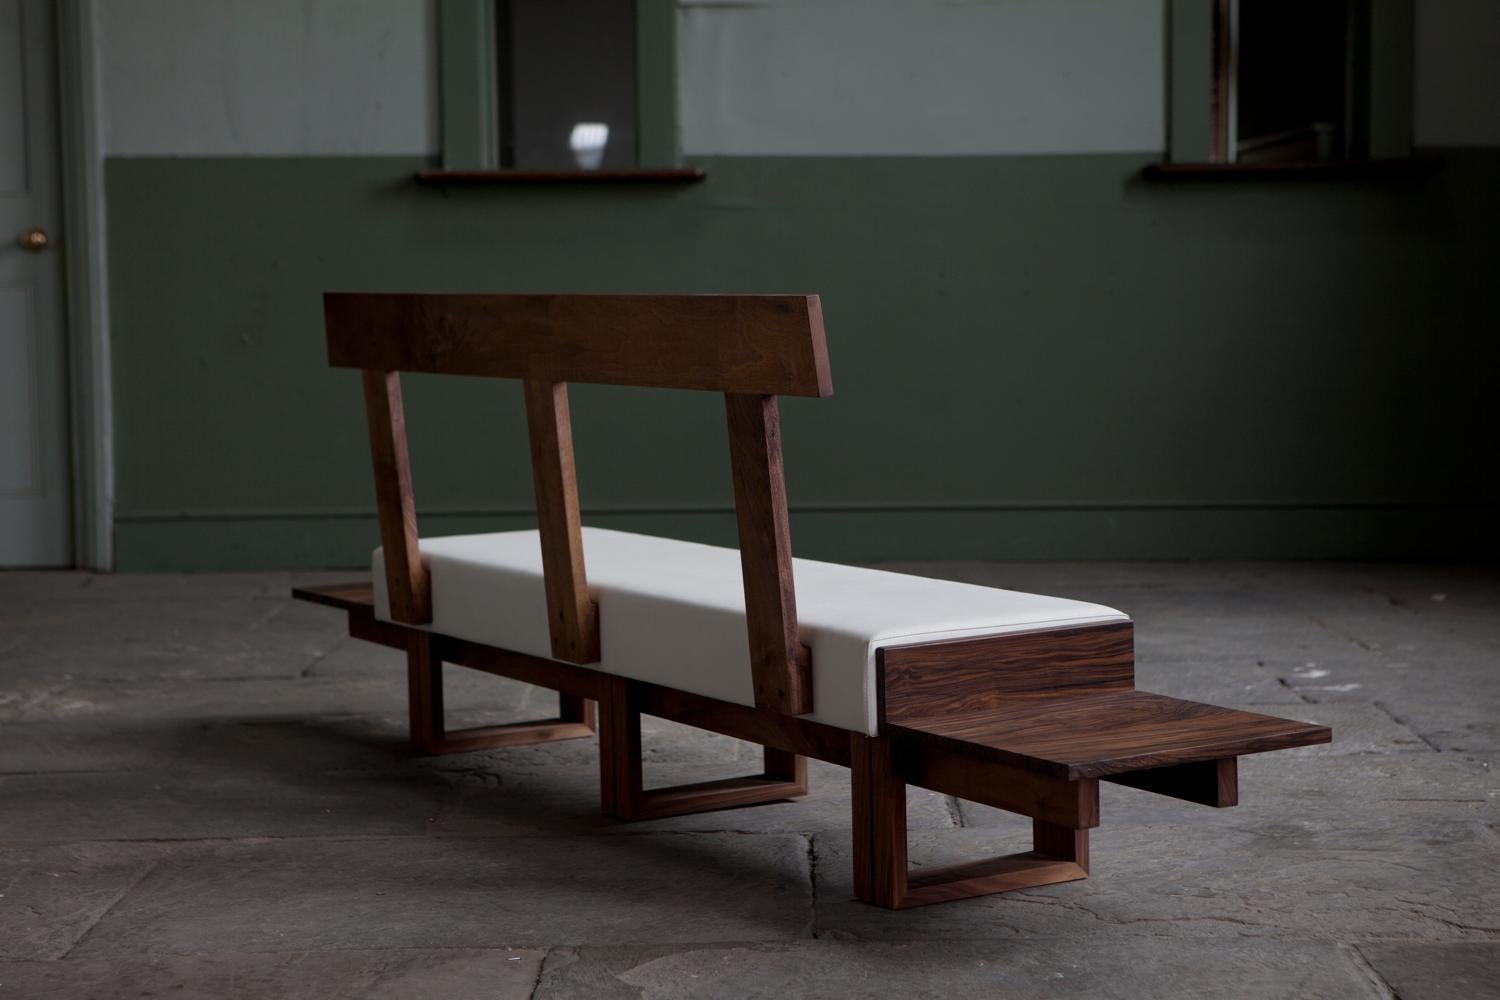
x: 985, y: 672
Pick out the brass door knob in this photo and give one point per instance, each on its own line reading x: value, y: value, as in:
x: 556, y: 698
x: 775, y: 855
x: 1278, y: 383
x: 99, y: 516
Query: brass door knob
x: 35, y: 239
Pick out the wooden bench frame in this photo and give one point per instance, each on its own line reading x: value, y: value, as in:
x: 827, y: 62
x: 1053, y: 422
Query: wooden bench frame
x: 966, y: 718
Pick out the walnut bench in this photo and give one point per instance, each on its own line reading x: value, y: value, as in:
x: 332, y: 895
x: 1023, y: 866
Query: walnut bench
x: 1013, y: 700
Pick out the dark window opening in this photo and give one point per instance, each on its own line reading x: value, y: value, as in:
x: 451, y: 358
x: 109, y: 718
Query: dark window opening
x: 567, y: 84
x: 1287, y: 81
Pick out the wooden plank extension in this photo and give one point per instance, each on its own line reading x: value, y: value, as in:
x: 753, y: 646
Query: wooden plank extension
x: 358, y: 594
x: 1079, y: 735
x: 1060, y: 704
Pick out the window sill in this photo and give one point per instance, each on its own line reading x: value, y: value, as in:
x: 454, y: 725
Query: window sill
x: 1405, y: 169
x: 484, y: 178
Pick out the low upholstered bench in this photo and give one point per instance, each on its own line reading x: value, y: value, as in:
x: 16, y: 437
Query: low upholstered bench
x: 1014, y: 700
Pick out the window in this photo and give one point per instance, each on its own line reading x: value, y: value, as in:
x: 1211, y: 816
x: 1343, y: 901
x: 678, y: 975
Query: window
x: 1285, y: 82
x: 565, y: 72
x: 549, y: 90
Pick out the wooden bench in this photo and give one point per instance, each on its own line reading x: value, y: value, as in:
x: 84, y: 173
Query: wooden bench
x: 1013, y: 700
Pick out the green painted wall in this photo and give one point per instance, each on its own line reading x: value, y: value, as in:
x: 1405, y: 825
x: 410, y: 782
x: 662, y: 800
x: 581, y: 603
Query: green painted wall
x: 1033, y: 356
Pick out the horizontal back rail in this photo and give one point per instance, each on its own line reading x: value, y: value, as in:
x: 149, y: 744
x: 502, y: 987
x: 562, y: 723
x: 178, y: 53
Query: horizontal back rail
x: 756, y: 344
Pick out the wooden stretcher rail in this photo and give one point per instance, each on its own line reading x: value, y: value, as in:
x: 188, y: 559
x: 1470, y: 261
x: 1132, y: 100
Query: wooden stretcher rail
x: 1206, y: 782
x: 783, y: 732
x: 1043, y: 750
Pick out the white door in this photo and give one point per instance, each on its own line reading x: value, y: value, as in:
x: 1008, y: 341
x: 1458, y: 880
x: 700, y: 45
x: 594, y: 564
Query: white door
x: 35, y: 516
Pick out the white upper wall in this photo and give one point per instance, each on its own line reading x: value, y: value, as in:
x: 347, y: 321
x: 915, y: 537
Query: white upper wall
x: 756, y: 77
x: 267, y: 77
x: 1457, y: 73
x: 921, y: 77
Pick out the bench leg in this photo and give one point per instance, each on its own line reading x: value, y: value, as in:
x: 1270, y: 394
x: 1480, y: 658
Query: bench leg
x: 623, y: 793
x: 881, y: 875
x: 424, y: 677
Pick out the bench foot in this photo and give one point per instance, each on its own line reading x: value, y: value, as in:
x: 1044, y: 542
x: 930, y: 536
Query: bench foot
x: 881, y: 875
x: 424, y: 675
x: 623, y: 794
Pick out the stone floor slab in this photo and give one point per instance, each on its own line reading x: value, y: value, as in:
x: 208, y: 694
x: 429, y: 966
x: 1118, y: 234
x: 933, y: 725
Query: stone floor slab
x: 452, y: 974
x: 51, y: 896
x: 1066, y: 967
x: 284, y: 698
x: 1281, y: 878
x: 433, y: 892
x: 141, y: 714
x: 201, y: 803
x: 500, y: 800
x: 1423, y: 971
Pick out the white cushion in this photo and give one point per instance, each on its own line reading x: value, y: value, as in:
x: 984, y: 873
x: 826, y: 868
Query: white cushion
x: 673, y: 613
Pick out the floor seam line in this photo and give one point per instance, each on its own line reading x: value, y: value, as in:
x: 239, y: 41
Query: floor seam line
x: 1363, y: 965
x: 108, y: 909
x: 1406, y: 725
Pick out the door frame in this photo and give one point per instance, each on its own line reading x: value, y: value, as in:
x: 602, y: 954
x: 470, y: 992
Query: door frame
x: 86, y: 280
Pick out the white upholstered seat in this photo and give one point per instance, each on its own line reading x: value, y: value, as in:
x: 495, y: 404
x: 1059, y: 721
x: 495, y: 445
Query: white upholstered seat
x: 673, y: 612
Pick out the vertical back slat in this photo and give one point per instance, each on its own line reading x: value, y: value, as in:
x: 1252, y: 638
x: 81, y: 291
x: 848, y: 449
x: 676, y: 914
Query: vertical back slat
x: 778, y: 663
x: 406, y: 578
x: 572, y: 617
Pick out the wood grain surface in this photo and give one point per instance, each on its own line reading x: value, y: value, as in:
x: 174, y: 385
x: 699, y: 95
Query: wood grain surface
x: 985, y: 672
x: 780, y: 667
x: 1082, y: 735
x: 572, y: 616
x: 759, y: 344
x: 407, y: 581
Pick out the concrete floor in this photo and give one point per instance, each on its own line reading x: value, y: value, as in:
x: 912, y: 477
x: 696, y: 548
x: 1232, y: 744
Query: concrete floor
x: 204, y: 793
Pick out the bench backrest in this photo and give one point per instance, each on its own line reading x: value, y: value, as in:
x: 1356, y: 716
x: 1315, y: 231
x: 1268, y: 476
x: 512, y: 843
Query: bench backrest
x: 752, y: 348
